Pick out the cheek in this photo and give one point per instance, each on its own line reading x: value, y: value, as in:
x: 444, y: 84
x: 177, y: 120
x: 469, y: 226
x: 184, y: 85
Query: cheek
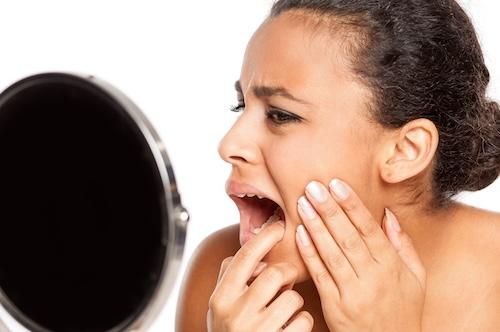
x: 294, y: 162
x: 292, y: 166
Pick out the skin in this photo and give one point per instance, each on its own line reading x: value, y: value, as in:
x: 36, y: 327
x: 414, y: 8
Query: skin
x: 452, y: 254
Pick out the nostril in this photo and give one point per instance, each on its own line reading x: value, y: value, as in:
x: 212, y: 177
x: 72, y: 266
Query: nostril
x: 237, y: 158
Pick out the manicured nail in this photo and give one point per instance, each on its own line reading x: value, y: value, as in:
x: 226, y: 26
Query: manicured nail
x: 392, y: 220
x: 339, y: 189
x: 303, y: 237
x: 317, y: 192
x: 306, y: 208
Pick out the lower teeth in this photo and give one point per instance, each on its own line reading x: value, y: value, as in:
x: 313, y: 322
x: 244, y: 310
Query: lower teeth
x: 272, y: 219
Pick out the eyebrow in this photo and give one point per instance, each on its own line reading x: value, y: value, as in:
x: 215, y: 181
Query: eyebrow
x: 263, y: 91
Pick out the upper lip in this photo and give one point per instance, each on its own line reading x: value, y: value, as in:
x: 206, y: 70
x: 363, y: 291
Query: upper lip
x: 234, y: 188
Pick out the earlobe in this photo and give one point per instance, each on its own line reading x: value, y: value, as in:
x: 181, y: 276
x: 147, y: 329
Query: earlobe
x: 410, y: 151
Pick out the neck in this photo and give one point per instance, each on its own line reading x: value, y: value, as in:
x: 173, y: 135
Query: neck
x: 426, y: 226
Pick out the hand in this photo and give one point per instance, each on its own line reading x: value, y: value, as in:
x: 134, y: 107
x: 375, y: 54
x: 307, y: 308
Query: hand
x: 263, y: 305
x: 367, y: 281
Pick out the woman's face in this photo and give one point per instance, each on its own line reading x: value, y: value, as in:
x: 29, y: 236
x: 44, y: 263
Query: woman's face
x: 318, y: 127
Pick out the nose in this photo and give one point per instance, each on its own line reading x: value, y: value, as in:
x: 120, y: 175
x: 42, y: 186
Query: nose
x: 240, y: 144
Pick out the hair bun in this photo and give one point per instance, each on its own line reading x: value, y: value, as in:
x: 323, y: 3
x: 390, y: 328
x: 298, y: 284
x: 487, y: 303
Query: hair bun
x: 487, y: 149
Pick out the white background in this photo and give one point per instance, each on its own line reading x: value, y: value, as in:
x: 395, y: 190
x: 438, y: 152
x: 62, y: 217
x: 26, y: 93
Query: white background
x: 177, y: 60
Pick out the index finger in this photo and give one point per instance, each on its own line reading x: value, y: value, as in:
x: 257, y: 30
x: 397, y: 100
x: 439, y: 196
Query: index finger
x: 251, y: 253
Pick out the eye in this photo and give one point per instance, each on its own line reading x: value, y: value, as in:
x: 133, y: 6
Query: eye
x: 276, y: 116
x: 279, y: 117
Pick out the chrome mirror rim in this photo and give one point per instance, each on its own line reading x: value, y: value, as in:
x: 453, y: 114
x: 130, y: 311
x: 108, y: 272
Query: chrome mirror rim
x: 176, y: 217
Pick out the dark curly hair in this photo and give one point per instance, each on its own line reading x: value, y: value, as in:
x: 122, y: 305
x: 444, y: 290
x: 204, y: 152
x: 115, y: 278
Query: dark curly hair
x: 422, y: 59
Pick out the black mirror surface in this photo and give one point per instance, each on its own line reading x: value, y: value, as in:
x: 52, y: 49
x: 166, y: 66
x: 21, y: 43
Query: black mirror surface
x: 82, y: 208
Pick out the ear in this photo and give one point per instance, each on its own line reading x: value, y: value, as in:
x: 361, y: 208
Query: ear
x: 409, y: 151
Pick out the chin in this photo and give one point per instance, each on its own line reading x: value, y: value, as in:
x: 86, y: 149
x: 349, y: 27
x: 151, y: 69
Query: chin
x: 286, y: 251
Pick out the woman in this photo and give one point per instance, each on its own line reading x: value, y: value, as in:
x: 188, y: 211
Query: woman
x: 360, y: 121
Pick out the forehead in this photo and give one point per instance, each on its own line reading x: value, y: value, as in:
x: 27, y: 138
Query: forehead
x: 298, y: 53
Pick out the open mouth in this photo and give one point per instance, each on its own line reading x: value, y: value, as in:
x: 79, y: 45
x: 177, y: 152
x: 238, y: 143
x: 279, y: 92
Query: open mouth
x: 255, y: 213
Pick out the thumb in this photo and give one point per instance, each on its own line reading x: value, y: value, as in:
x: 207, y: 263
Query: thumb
x: 404, y: 246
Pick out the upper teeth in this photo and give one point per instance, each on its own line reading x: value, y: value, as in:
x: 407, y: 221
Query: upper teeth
x: 249, y: 195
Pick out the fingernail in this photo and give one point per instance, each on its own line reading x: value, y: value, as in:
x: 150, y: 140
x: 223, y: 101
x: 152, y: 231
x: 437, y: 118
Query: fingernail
x: 281, y: 222
x: 339, y: 189
x: 306, y: 207
x: 303, y: 237
x: 317, y: 192
x: 392, y: 220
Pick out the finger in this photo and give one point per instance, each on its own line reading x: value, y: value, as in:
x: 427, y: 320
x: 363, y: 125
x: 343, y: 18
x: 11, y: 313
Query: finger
x: 339, y: 226
x: 251, y: 253
x: 282, y: 309
x: 327, y: 288
x: 369, y: 229
x: 332, y: 255
x: 404, y: 247
x: 269, y: 283
x: 258, y: 270
x: 302, y: 322
x: 223, y: 267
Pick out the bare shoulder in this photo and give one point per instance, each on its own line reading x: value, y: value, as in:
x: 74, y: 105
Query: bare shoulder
x: 463, y: 285
x: 200, y: 278
x: 483, y: 229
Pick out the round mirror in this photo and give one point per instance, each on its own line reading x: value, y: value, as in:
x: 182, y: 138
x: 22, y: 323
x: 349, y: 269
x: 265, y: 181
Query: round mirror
x: 92, y: 226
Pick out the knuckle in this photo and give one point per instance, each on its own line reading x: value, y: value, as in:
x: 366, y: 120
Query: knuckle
x: 331, y: 210
x: 351, y: 242
x: 291, y: 270
x: 216, y: 305
x: 212, y: 301
x: 369, y: 228
x: 350, y: 204
x: 293, y: 298
x: 245, y: 253
x: 355, y: 308
x: 226, y: 262
x: 273, y: 274
x: 336, y: 261
x: 322, y: 278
